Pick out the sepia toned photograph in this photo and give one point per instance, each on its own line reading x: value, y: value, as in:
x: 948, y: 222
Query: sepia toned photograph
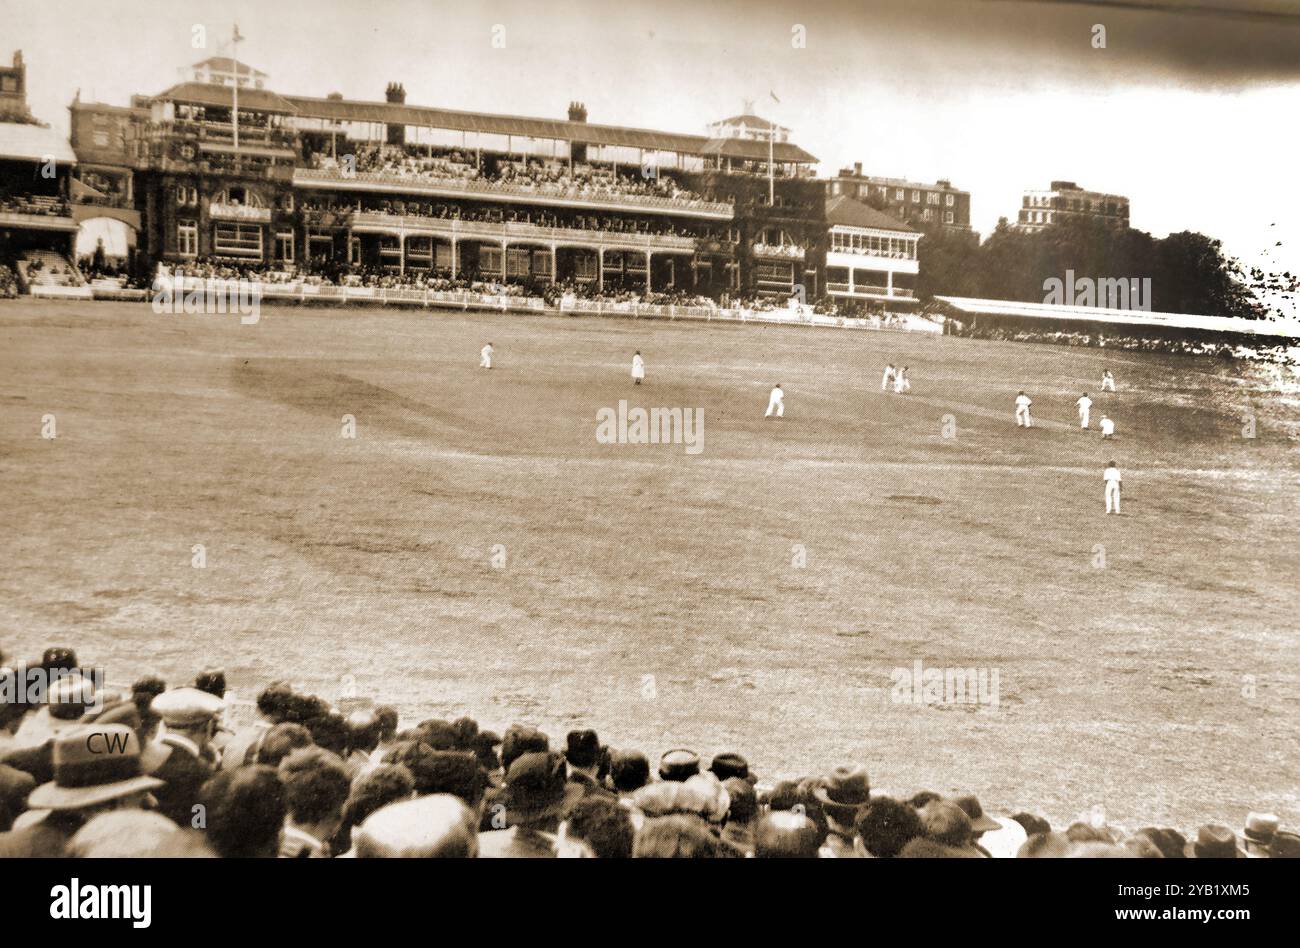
x: 736, y: 429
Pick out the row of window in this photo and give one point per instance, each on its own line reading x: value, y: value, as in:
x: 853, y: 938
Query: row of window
x: 900, y: 195
x: 229, y: 239
x: 869, y: 243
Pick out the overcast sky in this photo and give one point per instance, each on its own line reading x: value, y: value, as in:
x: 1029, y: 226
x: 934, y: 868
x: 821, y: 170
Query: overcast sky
x: 1193, y: 115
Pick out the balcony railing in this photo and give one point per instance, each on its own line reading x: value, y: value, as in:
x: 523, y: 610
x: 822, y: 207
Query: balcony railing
x: 784, y: 251
x: 43, y: 213
x: 544, y: 194
x: 448, y: 227
x: 867, y: 289
x: 239, y: 212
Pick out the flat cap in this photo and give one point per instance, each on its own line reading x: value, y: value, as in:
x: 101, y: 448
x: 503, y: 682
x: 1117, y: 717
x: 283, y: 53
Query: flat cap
x: 182, y: 707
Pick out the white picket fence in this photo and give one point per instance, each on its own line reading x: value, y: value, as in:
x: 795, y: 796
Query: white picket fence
x: 466, y: 300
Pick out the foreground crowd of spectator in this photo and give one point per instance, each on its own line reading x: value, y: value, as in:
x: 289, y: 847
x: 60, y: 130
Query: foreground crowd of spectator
x: 154, y: 771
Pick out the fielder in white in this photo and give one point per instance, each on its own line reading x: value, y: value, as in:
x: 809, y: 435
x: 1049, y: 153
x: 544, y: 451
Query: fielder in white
x: 887, y: 378
x: 776, y: 403
x: 485, y: 357
x: 1085, y: 405
x: 1112, y: 478
x: 638, y: 368
x: 1107, y: 428
x: 901, y: 382
x: 1022, y: 411
x: 1107, y: 381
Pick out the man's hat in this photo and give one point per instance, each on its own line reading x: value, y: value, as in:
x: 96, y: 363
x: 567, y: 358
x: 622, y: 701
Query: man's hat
x: 1285, y: 846
x: 679, y: 764
x: 1215, y: 841
x: 69, y: 697
x: 93, y: 764
x: 1259, y: 832
x: 980, y: 822
x: 185, y: 707
x: 844, y: 792
x: 59, y: 657
x: 537, y: 787
x: 522, y: 739
x: 726, y: 766
x: 583, y: 748
x: 946, y: 822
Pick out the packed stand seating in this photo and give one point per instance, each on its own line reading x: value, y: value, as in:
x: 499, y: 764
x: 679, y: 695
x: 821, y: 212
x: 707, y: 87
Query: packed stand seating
x: 307, y: 780
x: 549, y: 178
x: 47, y: 268
x: 1189, y: 346
x: 33, y: 204
x: 8, y: 283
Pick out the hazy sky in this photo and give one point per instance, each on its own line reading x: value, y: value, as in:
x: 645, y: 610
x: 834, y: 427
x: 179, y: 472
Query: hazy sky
x: 1193, y: 115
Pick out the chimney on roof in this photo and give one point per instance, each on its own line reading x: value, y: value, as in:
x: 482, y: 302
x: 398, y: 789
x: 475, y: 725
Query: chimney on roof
x: 857, y: 168
x: 396, y: 94
x: 577, y: 112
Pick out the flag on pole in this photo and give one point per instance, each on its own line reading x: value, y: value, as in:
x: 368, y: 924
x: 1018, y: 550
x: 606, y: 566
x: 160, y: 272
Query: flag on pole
x: 773, y: 95
x: 235, y: 38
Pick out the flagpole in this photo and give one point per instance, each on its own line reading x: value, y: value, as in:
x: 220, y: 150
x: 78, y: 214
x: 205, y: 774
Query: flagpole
x: 234, y: 55
x: 771, y: 179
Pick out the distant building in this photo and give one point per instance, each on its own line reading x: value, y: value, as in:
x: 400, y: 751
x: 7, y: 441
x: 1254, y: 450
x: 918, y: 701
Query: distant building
x: 223, y: 71
x: 749, y: 126
x: 929, y: 207
x: 1065, y: 200
x: 13, y: 91
x: 870, y: 257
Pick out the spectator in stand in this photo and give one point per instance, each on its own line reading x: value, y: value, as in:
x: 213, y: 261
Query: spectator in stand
x: 738, y: 832
x: 842, y: 796
x: 280, y: 741
x: 84, y: 785
x: 979, y: 821
x: 386, y: 729
x: 191, y: 718
x: 122, y: 834
x: 629, y: 771
x: 885, y: 826
x: 786, y: 834
x: 602, y: 826
x: 245, y: 811
x: 679, y: 764
x: 433, y: 827
x: 535, y: 796
x: 371, y: 791
x: 584, y: 754
x: 316, y: 786
x: 675, y: 837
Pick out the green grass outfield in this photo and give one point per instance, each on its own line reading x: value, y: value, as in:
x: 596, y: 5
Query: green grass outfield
x: 649, y: 593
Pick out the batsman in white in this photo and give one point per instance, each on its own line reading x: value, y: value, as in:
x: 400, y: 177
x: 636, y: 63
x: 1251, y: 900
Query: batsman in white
x: 1085, y: 405
x: 776, y: 403
x: 887, y: 378
x: 638, y: 368
x: 1112, y: 478
x: 1107, y: 381
x: 1022, y: 411
x: 485, y: 357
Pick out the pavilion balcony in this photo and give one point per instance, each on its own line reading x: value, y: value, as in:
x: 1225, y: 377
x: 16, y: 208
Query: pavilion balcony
x: 515, y: 232
x: 480, y: 189
x: 896, y: 261
x: 782, y: 251
x: 239, y: 212
x: 869, y: 291
x: 36, y: 213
